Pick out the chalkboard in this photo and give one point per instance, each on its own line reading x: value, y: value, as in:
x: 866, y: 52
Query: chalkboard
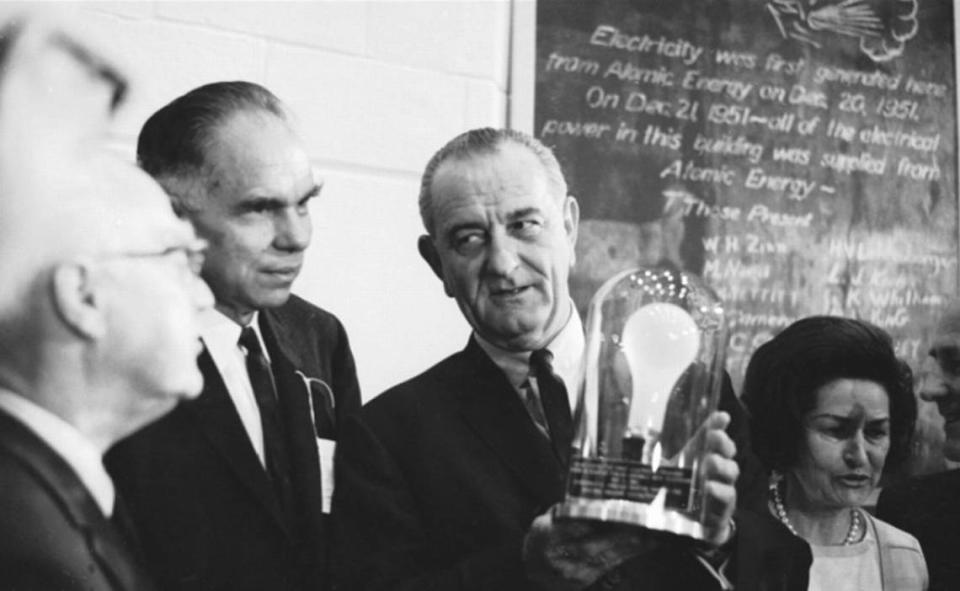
x: 799, y: 155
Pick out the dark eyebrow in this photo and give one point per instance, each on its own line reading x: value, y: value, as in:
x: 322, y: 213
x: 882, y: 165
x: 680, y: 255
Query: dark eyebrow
x: 846, y: 419
x: 261, y: 202
x: 522, y: 213
x: 265, y: 201
x: 827, y: 415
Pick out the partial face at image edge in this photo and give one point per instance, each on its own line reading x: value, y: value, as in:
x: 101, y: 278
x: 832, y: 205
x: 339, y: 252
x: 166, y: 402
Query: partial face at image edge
x: 141, y: 296
x: 940, y: 379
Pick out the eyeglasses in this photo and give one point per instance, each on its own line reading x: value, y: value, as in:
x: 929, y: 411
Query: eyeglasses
x: 85, y: 57
x: 95, y: 65
x: 193, y: 253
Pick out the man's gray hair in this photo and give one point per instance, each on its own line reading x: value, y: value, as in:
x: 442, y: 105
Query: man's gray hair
x: 480, y: 141
x: 175, y: 141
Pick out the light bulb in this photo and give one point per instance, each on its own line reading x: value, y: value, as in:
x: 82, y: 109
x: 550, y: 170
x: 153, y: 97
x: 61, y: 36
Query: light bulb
x: 660, y: 341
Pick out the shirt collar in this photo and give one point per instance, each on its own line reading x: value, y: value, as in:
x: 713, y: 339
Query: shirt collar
x: 566, y: 347
x: 77, y: 451
x: 221, y: 334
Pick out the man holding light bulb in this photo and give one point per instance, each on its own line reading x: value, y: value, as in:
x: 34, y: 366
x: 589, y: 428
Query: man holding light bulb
x: 448, y: 479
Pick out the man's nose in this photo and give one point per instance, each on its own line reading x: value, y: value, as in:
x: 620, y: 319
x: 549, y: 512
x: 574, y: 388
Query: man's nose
x: 293, y: 230
x: 932, y: 384
x: 502, y: 256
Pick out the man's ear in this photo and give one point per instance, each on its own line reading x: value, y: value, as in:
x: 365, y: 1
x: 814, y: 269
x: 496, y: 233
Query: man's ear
x: 76, y: 301
x: 428, y: 250
x: 571, y: 222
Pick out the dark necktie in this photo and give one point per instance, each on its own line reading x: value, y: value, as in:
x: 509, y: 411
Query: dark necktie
x: 535, y: 407
x: 274, y: 446
x: 556, y: 407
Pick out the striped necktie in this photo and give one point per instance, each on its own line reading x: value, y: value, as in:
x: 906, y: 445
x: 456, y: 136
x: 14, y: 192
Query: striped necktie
x: 274, y: 444
x: 556, y: 406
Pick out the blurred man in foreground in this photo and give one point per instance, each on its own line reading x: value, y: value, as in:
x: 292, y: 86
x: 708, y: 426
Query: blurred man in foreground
x: 447, y: 480
x: 98, y: 317
x: 929, y: 506
x: 231, y: 491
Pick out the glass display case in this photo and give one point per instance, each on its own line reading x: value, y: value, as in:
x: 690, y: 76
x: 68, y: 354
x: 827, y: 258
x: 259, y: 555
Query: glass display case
x: 652, y: 372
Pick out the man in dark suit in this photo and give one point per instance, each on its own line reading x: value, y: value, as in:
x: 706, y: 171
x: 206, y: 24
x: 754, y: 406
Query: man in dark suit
x: 231, y: 491
x: 81, y: 366
x: 447, y: 480
x: 928, y: 507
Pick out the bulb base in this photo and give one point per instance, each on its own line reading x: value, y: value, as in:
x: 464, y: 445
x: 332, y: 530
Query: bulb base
x: 630, y: 513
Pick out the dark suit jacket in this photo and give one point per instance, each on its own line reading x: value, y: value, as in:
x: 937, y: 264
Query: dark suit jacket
x: 766, y: 557
x: 52, y: 533
x: 928, y: 507
x: 201, y: 500
x: 440, y: 480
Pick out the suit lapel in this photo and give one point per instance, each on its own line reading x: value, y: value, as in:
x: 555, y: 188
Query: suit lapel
x: 493, y: 409
x: 301, y: 437
x: 275, y: 332
x: 115, y: 559
x: 294, y: 406
x: 217, y: 418
x: 105, y: 543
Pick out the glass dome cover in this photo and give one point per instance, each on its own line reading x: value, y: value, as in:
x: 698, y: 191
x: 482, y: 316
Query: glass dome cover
x: 652, y: 372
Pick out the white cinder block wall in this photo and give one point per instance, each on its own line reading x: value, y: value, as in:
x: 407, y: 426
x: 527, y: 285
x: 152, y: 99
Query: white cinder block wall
x: 377, y: 87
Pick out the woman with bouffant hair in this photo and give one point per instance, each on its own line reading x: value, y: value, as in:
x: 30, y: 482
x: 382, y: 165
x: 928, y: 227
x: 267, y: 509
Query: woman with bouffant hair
x: 830, y: 405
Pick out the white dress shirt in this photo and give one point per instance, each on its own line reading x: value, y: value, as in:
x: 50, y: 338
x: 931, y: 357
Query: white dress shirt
x: 566, y: 348
x: 221, y: 336
x: 70, y: 444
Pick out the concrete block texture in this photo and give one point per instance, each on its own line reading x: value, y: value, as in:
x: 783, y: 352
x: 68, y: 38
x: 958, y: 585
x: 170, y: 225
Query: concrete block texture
x: 467, y: 37
x: 367, y: 112
x: 165, y: 60
x: 338, y: 25
x: 363, y: 265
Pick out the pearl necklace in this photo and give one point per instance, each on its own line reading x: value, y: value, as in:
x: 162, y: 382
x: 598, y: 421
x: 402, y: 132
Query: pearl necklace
x: 856, y: 520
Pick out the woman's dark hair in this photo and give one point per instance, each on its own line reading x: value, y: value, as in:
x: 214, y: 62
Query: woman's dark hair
x: 785, y: 373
